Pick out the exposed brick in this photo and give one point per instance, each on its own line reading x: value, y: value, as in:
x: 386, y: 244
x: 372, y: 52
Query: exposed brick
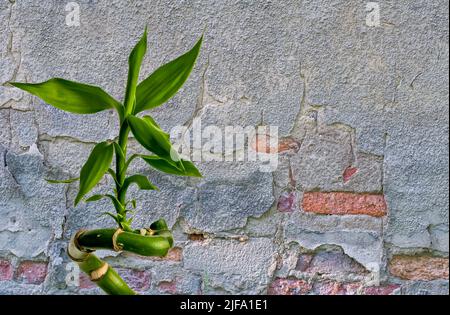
x: 196, y: 237
x: 283, y: 286
x: 344, y: 203
x: 174, y: 254
x: 288, y: 144
x: 31, y: 272
x: 348, y: 173
x: 138, y: 280
x: 168, y: 287
x: 287, y: 202
x: 381, y: 290
x: 6, y: 270
x: 419, y: 267
x: 261, y: 143
x: 337, y: 288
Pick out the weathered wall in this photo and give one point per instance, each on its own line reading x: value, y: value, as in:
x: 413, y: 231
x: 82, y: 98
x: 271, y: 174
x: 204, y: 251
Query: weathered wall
x: 362, y: 110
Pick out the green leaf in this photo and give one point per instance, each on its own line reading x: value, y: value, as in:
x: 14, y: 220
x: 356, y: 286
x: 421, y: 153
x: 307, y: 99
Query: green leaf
x: 95, y: 198
x: 64, y: 181
x: 133, y: 203
x: 113, y: 175
x: 166, y: 167
x: 140, y: 180
x: 71, y: 96
x: 134, y: 66
x: 119, y: 208
x: 112, y: 216
x: 154, y: 123
x: 151, y: 137
x: 166, y: 80
x: 95, y: 167
x: 118, y: 150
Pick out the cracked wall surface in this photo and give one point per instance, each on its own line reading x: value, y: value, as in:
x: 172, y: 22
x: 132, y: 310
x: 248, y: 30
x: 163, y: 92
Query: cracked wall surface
x: 358, y: 203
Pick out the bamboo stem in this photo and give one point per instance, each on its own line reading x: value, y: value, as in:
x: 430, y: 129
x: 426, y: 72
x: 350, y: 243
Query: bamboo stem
x: 110, y: 281
x: 153, y: 245
x: 97, y: 270
x: 156, y: 242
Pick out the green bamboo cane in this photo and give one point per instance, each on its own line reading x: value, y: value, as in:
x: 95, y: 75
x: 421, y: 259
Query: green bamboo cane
x: 80, y: 98
x: 154, y: 241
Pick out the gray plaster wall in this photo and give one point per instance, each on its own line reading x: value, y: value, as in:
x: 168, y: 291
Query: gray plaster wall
x: 348, y: 93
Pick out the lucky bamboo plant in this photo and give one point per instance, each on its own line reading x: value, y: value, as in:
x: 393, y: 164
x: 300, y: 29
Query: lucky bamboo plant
x: 79, y: 98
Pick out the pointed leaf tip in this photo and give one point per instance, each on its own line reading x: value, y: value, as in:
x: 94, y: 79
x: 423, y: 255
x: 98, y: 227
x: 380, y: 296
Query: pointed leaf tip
x: 70, y: 96
x: 165, y: 82
x: 134, y: 66
x: 95, y: 168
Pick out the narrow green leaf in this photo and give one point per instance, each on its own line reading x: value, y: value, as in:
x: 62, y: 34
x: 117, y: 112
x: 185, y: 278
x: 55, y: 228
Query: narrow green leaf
x: 130, y: 159
x: 95, y: 167
x: 134, y: 66
x: 118, y: 150
x: 152, y: 121
x: 112, y: 216
x: 95, y: 198
x: 151, y: 137
x: 64, y: 181
x: 133, y: 203
x: 117, y: 205
x: 113, y: 175
x: 140, y: 180
x: 71, y: 96
x: 166, y: 167
x: 166, y: 80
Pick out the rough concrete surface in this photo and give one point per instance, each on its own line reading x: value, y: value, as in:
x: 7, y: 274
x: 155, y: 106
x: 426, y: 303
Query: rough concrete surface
x: 364, y: 108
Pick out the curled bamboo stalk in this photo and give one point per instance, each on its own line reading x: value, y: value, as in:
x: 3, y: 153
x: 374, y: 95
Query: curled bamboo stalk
x: 154, y: 241
x: 80, y: 98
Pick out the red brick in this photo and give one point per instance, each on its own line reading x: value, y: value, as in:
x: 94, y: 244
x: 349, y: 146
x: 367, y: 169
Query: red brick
x: 419, y: 267
x: 6, y: 270
x: 174, y: 254
x: 31, y: 272
x: 348, y: 173
x: 283, y: 286
x: 138, y: 280
x: 381, y: 290
x: 288, y: 144
x: 337, y: 288
x: 287, y: 202
x: 196, y: 237
x: 344, y: 203
x: 261, y: 143
x: 168, y: 287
